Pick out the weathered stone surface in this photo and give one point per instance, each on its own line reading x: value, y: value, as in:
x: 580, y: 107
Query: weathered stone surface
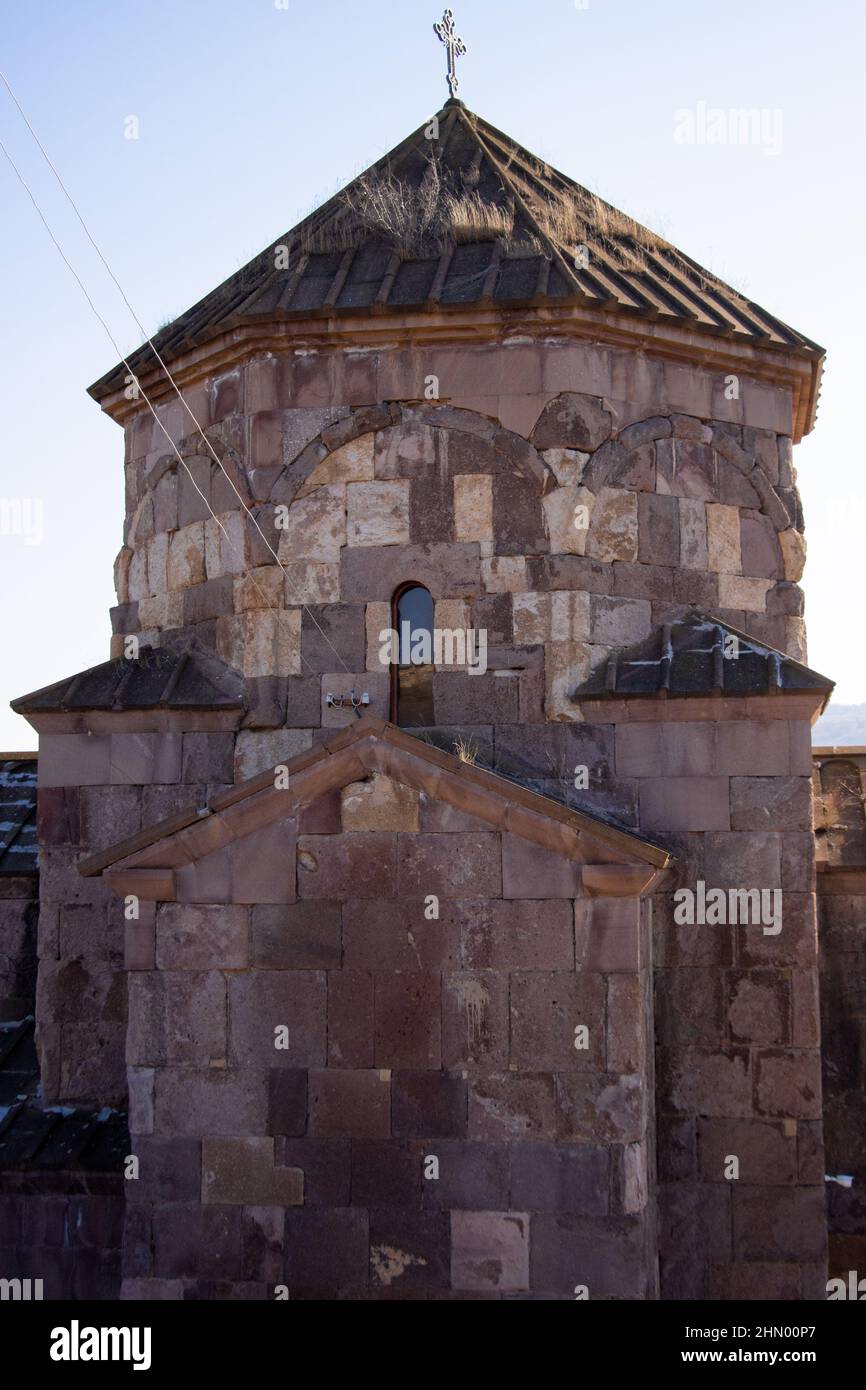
x: 686, y: 469
x: 350, y: 1103
x: 473, y: 507
x: 723, y: 538
x: 379, y: 804
x: 296, y: 936
x: 771, y: 803
x: 793, y: 546
x: 490, y: 1251
x: 185, y: 564
x: 339, y: 866
x: 315, y: 527
x: 475, y: 1020
x: 659, y: 530
x: 407, y: 1015
x: 257, y: 750
x: 372, y: 573
x: 277, y: 1019
x: 352, y: 463
x: 750, y: 595
x: 572, y: 421
x: 613, y: 531
x: 545, y: 1010
x: 377, y: 513
x: 567, y: 511
x: 504, y: 574
x: 428, y: 1105
x: 619, y: 622
x: 202, y: 938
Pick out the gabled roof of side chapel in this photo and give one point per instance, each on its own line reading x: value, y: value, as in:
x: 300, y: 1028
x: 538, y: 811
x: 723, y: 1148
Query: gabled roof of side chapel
x: 375, y: 747
x: 509, y: 242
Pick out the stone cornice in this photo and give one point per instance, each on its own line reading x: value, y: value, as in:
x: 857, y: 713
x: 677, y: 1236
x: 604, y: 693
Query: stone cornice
x: 796, y: 371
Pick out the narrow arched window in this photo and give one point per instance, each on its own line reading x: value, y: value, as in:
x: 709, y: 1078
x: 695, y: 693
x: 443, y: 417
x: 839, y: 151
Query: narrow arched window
x: 412, y: 672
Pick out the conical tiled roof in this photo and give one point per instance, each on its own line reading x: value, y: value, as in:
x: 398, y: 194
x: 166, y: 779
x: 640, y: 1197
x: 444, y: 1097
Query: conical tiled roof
x: 470, y: 217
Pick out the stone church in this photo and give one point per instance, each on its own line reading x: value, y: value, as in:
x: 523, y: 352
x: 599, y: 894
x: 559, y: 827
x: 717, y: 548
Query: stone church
x: 430, y: 873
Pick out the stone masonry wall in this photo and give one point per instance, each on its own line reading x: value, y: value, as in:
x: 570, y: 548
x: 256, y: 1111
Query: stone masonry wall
x: 725, y: 784
x: 101, y: 778
x: 410, y: 1040
x: 357, y: 485
x: 360, y: 484
x: 841, y: 820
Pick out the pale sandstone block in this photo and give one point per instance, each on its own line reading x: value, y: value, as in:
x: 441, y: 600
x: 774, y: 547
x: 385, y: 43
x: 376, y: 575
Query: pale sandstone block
x: 723, y: 538
x: 185, y: 565
x: 748, y: 594
x: 121, y: 574
x: 693, y: 533
x: 793, y: 546
x: 315, y: 528
x: 795, y: 639
x: 570, y: 616
x: 353, y: 463
x: 568, y: 514
x: 613, y: 530
x: 212, y: 561
x: 260, y: 588
x: 451, y: 615
x: 504, y: 574
x: 473, y: 507
x: 161, y: 610
x: 567, y: 665
x: 531, y: 616
x: 272, y: 643
x: 378, y: 513
x: 567, y: 465
x: 137, y: 583
x: 232, y: 543
x: 157, y: 565
x: 308, y: 581
x: 230, y: 640
x: 380, y: 804
x: 377, y: 618
x: 256, y: 750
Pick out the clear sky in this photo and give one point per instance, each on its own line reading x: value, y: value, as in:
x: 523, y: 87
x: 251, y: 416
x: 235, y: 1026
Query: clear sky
x: 251, y: 113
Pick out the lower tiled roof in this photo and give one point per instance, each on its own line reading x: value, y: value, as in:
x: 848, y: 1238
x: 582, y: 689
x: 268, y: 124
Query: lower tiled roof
x: 18, y: 842
x: 159, y: 677
x: 696, y: 656
x: 41, y: 1137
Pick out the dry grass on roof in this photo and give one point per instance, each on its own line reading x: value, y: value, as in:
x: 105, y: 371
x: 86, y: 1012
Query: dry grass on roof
x: 416, y: 219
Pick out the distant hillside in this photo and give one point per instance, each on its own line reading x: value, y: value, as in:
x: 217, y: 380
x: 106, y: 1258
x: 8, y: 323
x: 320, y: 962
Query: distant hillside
x: 842, y: 724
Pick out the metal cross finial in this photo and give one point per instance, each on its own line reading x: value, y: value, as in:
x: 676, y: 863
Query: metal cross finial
x: 455, y: 46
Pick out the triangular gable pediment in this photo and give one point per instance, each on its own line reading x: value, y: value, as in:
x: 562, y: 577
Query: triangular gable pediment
x: 613, y: 860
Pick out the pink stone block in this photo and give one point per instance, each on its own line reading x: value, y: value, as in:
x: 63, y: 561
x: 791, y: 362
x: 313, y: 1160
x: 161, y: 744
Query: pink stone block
x: 202, y: 938
x: 74, y: 760
x: 752, y: 748
x: 263, y: 865
x: 607, y: 932
x: 490, y: 1251
x: 685, y: 803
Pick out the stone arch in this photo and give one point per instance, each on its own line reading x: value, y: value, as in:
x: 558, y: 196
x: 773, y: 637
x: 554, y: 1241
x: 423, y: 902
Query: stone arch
x: 426, y: 446
x: 174, y: 495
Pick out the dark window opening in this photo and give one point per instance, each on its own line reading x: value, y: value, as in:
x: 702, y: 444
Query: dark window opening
x: 412, y: 671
